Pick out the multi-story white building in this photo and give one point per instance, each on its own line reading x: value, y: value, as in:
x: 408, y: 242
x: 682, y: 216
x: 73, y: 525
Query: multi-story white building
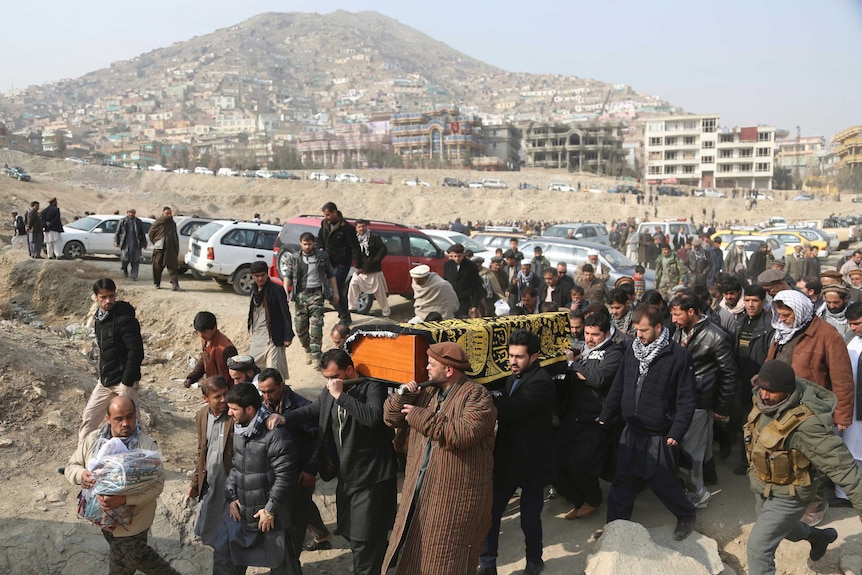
x: 697, y: 151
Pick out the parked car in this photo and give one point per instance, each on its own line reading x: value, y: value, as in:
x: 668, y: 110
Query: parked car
x: 453, y: 183
x: 76, y: 160
x: 751, y: 243
x: 248, y: 173
x: 18, y: 173
x: 475, y: 184
x: 594, y: 190
x: 378, y: 181
x: 186, y: 226
x: 416, y: 182
x: 284, y: 175
x: 561, y: 187
x: 158, y: 168
x: 348, y: 178
x: 225, y: 249
x: 94, y: 235
x: 495, y: 239
x: 265, y: 174
x: 857, y: 199
x: 671, y: 191
x: 318, y: 177
x: 803, y: 198
x: 183, y: 171
x: 227, y: 172
x: 112, y: 164
x: 579, y: 231
x: 524, y: 186
x: 494, y: 183
x: 446, y: 238
x: 406, y: 248
x: 669, y: 228
x: 574, y: 253
x: 204, y: 171
x: 790, y: 238
x: 626, y: 189
x: 709, y: 193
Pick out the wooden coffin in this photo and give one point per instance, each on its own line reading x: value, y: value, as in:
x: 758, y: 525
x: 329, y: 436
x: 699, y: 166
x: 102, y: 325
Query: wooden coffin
x: 399, y: 359
x: 398, y: 353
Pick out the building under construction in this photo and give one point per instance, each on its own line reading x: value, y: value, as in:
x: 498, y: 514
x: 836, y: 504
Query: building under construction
x: 583, y: 147
x: 443, y: 135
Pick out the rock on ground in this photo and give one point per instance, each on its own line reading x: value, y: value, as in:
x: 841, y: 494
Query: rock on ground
x: 627, y: 547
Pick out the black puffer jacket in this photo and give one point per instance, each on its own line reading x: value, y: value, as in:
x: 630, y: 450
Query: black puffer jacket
x: 714, y: 366
x: 666, y: 402
x: 264, y: 474
x: 121, y: 349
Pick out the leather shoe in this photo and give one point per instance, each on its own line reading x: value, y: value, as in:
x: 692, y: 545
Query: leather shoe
x: 820, y: 540
x: 586, y: 510
x: 486, y: 570
x: 317, y: 545
x: 683, y: 529
x: 573, y: 514
x: 534, y: 567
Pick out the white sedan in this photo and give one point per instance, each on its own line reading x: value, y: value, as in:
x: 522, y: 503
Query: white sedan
x: 94, y: 235
x: 348, y: 178
x: 416, y: 182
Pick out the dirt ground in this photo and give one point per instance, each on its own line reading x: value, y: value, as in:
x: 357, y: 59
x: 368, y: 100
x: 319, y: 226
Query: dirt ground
x: 47, y: 366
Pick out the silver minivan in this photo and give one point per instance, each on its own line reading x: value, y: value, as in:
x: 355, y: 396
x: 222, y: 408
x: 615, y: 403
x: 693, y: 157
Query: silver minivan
x: 669, y: 228
x: 494, y: 183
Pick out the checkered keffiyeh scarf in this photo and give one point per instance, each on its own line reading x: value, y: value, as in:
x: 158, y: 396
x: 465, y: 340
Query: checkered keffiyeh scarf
x: 645, y: 354
x: 803, y: 311
x: 257, y: 424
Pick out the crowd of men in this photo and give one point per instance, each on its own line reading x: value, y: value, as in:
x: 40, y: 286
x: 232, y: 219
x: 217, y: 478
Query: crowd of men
x: 654, y: 381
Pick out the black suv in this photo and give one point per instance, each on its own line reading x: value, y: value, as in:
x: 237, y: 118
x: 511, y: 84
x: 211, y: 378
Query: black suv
x: 453, y: 183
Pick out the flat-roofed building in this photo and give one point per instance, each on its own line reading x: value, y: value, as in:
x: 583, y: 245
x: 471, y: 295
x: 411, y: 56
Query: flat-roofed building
x: 696, y: 151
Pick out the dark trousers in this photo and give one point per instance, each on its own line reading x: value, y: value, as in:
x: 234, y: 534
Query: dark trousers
x: 124, y: 265
x: 36, y: 243
x: 661, y: 478
x: 579, y: 488
x: 313, y: 519
x: 341, y: 273
x: 222, y: 565
x: 368, y: 555
x: 131, y: 554
x: 160, y: 262
x: 532, y: 500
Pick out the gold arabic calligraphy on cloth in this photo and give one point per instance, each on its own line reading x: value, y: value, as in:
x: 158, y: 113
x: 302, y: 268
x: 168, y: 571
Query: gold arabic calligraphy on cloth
x: 485, y: 340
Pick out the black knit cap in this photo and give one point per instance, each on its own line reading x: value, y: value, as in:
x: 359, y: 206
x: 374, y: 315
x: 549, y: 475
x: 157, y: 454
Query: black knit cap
x: 777, y: 376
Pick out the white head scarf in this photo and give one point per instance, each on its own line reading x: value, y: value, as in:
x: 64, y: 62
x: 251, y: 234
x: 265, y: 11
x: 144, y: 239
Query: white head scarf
x: 802, y: 308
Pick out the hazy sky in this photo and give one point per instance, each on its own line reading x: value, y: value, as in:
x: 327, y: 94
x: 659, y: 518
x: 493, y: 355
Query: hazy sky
x: 778, y: 62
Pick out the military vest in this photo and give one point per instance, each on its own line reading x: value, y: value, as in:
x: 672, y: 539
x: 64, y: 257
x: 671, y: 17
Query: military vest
x: 772, y: 462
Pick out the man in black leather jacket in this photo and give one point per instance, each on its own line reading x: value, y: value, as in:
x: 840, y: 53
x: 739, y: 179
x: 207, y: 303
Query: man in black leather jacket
x: 714, y: 385
x: 262, y: 490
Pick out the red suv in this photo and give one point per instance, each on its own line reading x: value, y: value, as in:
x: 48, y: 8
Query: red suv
x: 405, y: 248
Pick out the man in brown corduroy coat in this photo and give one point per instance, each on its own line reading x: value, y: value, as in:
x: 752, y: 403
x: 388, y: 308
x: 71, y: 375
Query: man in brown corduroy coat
x: 445, y: 508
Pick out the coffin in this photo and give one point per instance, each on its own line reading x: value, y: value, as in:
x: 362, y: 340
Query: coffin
x: 397, y: 353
